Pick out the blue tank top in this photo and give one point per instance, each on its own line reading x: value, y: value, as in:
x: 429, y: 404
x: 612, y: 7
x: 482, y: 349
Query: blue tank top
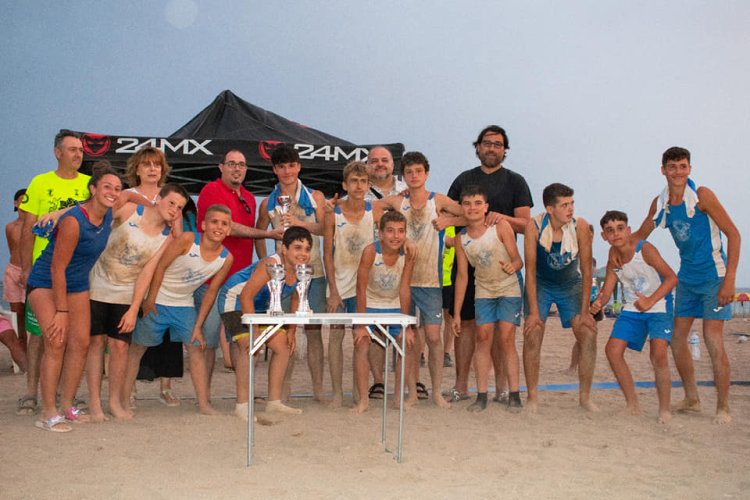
x: 91, y: 242
x: 555, y: 270
x: 229, y: 294
x: 698, y: 240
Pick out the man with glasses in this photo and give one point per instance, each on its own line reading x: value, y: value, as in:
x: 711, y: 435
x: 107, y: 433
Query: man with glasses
x: 228, y: 190
x: 507, y: 195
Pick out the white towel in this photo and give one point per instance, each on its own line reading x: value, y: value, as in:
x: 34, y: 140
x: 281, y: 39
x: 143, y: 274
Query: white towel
x: 569, y: 243
x: 662, y: 203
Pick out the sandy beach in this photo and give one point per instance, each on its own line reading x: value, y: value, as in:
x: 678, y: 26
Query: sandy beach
x: 562, y: 452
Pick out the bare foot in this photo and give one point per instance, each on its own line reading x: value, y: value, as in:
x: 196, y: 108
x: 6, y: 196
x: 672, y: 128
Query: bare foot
x: 589, y: 406
x: 664, y: 417
x: 279, y: 407
x: 98, y: 417
x: 532, y: 405
x: 360, y: 407
x: 207, y: 409
x: 336, y: 402
x: 631, y: 411
x: 722, y: 417
x: 120, y: 413
x: 440, y: 402
x: 408, y: 403
x: 689, y: 406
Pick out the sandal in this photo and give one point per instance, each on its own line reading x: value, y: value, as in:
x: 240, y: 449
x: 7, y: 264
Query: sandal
x: 167, y: 398
x: 422, y: 391
x: 453, y: 395
x: 55, y: 423
x: 377, y: 391
x: 76, y: 416
x: 26, y: 405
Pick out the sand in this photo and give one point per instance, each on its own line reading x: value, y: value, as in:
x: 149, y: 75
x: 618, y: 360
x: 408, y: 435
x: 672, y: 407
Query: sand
x: 562, y: 452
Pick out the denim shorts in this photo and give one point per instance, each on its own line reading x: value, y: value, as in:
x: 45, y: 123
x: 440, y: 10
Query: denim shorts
x: 568, y: 301
x: 506, y: 309
x: 700, y: 301
x: 635, y: 327
x: 429, y: 301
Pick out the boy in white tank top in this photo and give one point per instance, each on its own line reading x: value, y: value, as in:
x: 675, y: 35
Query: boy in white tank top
x: 384, y: 285
x: 421, y: 208
x: 647, y: 286
x: 348, y: 229
x: 493, y: 253
x: 187, y: 263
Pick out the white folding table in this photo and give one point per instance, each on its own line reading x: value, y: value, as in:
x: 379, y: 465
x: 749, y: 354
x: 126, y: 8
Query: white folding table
x: 272, y: 324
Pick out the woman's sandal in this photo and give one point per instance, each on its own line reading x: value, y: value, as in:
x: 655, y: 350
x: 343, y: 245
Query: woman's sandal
x: 167, y: 398
x: 26, y: 405
x: 55, y: 423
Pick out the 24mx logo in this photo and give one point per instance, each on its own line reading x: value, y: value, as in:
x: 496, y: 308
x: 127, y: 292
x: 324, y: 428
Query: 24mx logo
x: 130, y: 145
x: 330, y: 153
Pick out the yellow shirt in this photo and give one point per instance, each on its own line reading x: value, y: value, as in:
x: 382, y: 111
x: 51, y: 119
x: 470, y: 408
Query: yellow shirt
x: 47, y: 193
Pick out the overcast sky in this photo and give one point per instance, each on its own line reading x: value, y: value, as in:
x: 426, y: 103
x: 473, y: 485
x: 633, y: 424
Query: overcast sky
x: 590, y: 92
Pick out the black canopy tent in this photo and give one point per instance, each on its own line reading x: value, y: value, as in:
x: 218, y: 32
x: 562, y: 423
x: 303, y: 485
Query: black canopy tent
x: 229, y: 122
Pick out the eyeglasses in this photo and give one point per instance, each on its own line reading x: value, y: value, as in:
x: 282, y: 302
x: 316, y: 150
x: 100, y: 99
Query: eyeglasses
x: 245, y: 205
x: 235, y: 164
x: 492, y: 145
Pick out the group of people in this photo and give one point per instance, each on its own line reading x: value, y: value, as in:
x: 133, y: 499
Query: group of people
x: 122, y: 268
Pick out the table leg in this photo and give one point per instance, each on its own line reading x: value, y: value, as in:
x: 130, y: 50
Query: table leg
x: 385, y: 391
x: 401, y: 406
x: 250, y: 402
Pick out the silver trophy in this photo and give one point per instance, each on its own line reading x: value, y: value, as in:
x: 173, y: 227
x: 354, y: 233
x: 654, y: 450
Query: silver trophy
x: 285, y: 202
x: 304, y: 275
x: 277, y: 274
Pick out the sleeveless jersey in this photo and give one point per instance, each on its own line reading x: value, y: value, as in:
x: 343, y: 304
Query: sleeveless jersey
x: 91, y: 241
x: 484, y: 254
x: 428, y: 267
x: 555, y: 269
x: 638, y: 277
x: 698, y: 240
x: 384, y: 281
x: 128, y: 249
x: 186, y: 274
x: 349, y: 240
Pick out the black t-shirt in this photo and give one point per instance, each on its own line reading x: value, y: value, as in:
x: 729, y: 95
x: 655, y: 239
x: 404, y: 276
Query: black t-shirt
x: 505, y: 189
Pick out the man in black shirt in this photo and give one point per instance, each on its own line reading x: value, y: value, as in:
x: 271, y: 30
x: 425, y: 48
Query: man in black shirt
x: 508, y: 195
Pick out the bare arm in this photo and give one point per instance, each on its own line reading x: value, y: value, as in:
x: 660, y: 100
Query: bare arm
x: 669, y: 279
x: 583, y: 233
x: 531, y: 236
x: 508, y: 237
x: 709, y: 203
x: 26, y: 244
x: 65, y: 244
x: 334, y: 298
x: 363, y: 275
x: 176, y: 248
x: 647, y: 226
x: 208, y: 301
x: 404, y: 294
x: 462, y: 281
x: 610, y: 280
x: 262, y: 223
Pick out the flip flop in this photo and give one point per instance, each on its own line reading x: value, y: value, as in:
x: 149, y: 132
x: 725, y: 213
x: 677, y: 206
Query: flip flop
x: 453, y: 395
x: 377, y: 391
x: 76, y: 416
x: 422, y: 391
x: 26, y: 405
x: 55, y: 423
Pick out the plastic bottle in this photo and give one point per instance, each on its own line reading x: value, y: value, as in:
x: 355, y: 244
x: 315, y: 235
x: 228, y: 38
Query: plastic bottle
x: 695, y: 346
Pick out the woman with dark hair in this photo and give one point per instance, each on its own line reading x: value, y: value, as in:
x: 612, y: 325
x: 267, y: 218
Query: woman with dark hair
x: 58, y: 293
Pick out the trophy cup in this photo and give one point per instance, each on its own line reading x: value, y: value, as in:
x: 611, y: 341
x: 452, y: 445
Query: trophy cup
x: 304, y: 275
x: 277, y: 274
x: 285, y: 201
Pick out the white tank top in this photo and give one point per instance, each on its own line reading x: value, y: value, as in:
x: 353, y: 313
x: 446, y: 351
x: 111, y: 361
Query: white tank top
x: 384, y: 281
x: 429, y: 263
x: 128, y: 250
x: 186, y: 274
x: 315, y: 255
x: 637, y: 276
x: 485, y: 254
x: 349, y: 240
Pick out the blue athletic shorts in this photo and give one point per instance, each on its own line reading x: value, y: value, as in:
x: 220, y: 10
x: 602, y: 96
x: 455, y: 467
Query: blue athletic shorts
x: 394, y: 330
x: 506, y: 309
x: 635, y: 327
x: 149, y: 330
x: 568, y: 301
x: 212, y: 325
x: 429, y: 301
x: 700, y: 301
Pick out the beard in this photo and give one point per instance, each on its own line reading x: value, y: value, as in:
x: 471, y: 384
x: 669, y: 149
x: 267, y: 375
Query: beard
x: 491, y: 160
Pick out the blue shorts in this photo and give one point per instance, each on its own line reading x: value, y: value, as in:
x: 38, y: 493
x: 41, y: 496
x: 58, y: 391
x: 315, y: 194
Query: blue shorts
x: 212, y: 324
x: 635, y: 327
x: 700, y: 301
x: 429, y: 301
x: 394, y: 330
x: 179, y: 320
x: 506, y: 309
x: 568, y: 302
x: 350, y: 305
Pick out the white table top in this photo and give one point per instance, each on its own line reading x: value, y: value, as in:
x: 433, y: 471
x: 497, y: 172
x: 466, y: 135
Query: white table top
x: 330, y: 319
